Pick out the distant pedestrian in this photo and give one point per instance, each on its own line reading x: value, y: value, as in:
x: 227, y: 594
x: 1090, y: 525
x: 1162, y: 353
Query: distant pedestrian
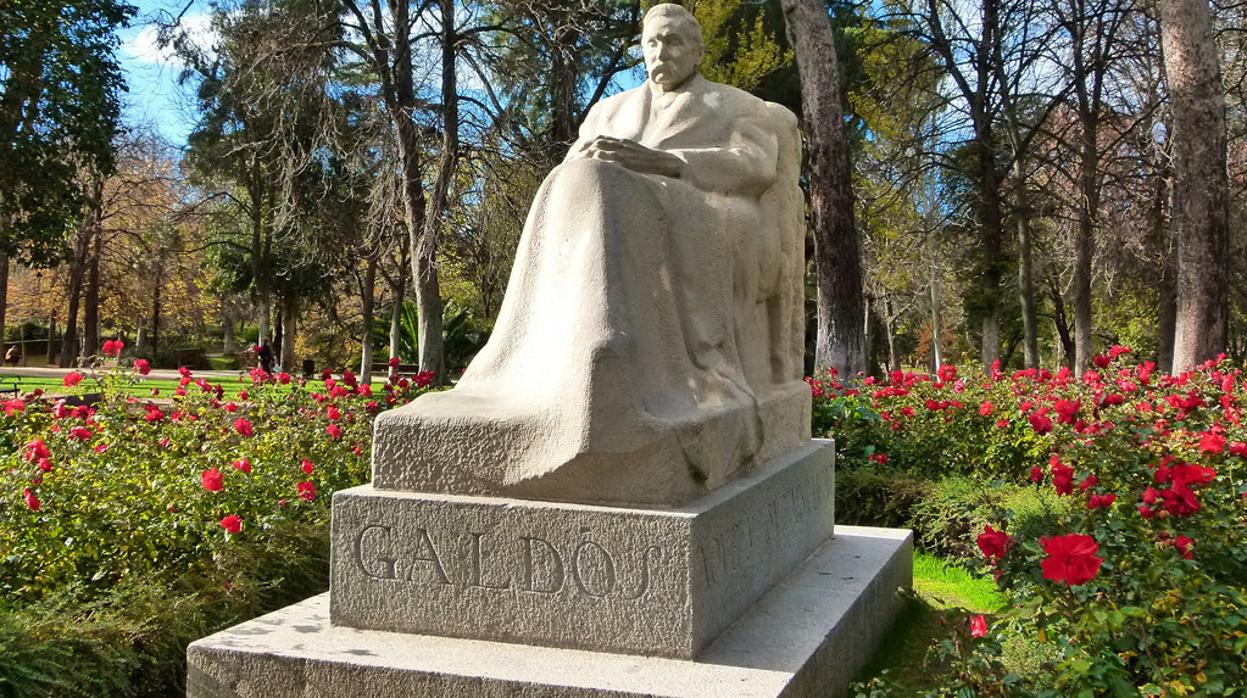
x: 13, y: 356
x: 265, y: 356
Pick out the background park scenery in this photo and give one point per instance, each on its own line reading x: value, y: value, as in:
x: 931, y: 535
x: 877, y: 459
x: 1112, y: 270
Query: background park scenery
x: 1026, y: 304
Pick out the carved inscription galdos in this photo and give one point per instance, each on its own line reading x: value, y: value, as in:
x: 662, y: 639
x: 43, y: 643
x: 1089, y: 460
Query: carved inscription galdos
x: 587, y: 567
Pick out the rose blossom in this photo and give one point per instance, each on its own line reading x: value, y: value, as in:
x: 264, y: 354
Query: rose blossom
x: 1071, y: 558
x: 212, y: 480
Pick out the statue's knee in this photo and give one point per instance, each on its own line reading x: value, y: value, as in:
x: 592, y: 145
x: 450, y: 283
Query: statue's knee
x: 588, y: 169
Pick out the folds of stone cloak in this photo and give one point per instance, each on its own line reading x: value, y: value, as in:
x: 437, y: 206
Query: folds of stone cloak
x: 620, y: 277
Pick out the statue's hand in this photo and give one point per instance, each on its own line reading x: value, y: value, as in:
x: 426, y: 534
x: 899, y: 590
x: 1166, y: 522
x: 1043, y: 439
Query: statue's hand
x: 633, y: 156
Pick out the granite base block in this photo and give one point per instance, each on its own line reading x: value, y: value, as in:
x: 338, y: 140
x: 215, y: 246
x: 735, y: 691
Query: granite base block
x: 645, y: 581
x: 808, y: 636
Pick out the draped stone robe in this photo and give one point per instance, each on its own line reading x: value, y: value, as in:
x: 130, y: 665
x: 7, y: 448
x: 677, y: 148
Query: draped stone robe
x: 649, y: 344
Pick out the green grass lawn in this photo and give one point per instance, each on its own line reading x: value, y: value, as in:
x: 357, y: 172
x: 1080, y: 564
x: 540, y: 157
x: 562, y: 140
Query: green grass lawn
x: 938, y: 585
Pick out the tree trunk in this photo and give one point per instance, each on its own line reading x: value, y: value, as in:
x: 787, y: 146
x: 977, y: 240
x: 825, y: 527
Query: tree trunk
x: 278, y: 326
x: 51, y: 349
x: 889, y: 326
x: 1200, y: 203
x: 1026, y: 277
x: 1167, y: 291
x: 840, y: 343
x: 77, y: 270
x: 4, y: 300
x: 991, y: 223
x: 289, y: 330
x: 228, y: 342
x: 1061, y: 324
x: 368, y: 300
x: 396, y: 321
x: 69, y: 341
x: 1090, y: 203
x: 564, y: 83
x: 259, y: 270
x: 424, y: 248
x: 401, y: 103
x: 154, y: 324
x: 91, y: 302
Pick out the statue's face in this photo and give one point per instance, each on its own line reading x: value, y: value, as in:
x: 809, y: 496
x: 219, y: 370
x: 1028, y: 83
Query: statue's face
x: 671, y: 50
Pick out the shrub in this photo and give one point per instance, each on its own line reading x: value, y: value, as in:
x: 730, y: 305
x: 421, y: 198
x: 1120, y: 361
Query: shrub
x: 1129, y: 561
x: 131, y: 526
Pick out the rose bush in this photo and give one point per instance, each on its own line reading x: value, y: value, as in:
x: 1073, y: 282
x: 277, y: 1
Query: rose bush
x: 1139, y: 583
x: 125, y: 487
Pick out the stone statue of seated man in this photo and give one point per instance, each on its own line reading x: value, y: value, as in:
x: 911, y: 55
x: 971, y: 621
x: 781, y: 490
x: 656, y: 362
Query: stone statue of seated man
x: 649, y: 345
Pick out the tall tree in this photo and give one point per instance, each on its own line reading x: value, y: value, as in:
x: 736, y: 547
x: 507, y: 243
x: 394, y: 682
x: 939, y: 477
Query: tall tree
x: 1200, y: 184
x: 967, y: 43
x: 841, y: 342
x: 59, y: 105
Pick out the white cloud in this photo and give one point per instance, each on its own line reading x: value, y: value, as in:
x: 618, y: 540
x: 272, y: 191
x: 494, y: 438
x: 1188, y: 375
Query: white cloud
x: 144, y: 47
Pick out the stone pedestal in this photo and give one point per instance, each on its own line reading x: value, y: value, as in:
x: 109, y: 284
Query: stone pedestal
x: 806, y: 637
x: 745, y: 591
x: 614, y: 579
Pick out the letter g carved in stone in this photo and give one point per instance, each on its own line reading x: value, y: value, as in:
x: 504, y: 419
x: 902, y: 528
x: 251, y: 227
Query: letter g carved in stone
x: 380, y: 535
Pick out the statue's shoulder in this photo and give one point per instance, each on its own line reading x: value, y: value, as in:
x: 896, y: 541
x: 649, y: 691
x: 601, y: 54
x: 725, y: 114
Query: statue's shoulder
x: 608, y: 105
x: 742, y: 104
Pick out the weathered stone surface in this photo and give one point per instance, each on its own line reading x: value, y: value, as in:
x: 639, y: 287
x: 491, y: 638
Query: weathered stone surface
x: 649, y: 345
x: 807, y: 637
x: 644, y: 581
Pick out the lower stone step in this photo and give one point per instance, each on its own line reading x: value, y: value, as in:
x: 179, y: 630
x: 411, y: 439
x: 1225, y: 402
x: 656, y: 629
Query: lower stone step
x: 808, y: 636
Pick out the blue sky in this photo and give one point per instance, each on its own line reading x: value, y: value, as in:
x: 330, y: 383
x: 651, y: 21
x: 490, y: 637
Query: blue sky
x: 155, y: 98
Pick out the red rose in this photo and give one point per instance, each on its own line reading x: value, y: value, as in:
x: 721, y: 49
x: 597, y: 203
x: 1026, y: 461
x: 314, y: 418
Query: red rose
x: 243, y: 426
x: 1062, y: 477
x: 212, y: 480
x: 80, y: 433
x: 307, y: 490
x: 232, y: 523
x: 994, y: 544
x: 1071, y: 559
x: 1210, y: 442
x: 1066, y: 410
x: 31, y: 500
x: 113, y: 347
x: 143, y: 366
x: 1101, y: 361
x: 334, y: 431
x: 1097, y: 501
x: 1040, y: 423
x: 242, y: 464
x: 978, y: 626
x: 334, y: 413
x: 307, y: 466
x: 230, y: 406
x: 36, y: 450
x: 985, y: 409
x: 1036, y: 474
x: 1183, y: 545
x: 73, y: 378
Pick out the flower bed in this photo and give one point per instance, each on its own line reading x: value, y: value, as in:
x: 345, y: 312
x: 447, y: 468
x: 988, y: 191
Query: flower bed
x: 190, y: 495
x: 1137, y: 580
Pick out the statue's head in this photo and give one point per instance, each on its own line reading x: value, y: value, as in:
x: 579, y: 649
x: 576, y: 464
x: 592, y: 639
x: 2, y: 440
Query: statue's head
x: 671, y: 42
